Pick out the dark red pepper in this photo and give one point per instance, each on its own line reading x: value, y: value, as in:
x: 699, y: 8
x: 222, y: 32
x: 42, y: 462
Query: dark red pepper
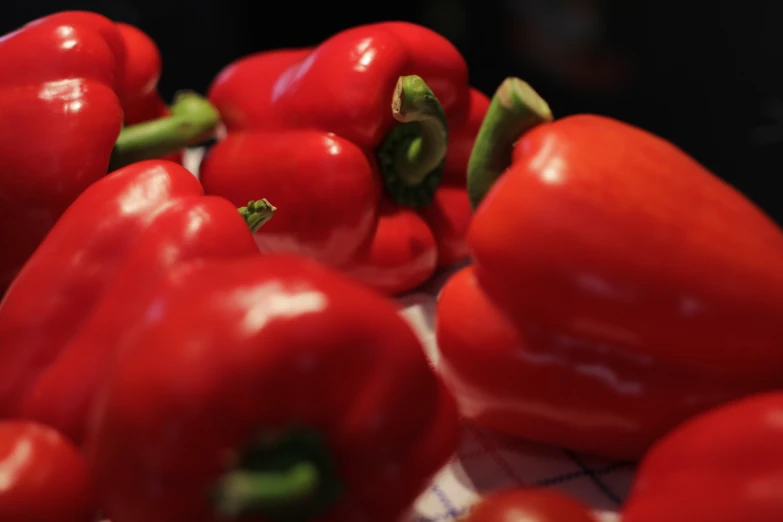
x: 64, y: 78
x: 43, y: 477
x: 63, y: 319
x: 267, y: 388
x: 357, y: 189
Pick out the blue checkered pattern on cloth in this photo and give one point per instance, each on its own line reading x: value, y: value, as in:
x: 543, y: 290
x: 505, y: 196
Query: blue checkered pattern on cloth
x: 486, y: 461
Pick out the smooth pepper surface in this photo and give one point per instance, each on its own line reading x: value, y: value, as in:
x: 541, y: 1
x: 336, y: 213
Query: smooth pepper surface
x: 617, y: 288
x: 313, y: 130
x: 44, y: 476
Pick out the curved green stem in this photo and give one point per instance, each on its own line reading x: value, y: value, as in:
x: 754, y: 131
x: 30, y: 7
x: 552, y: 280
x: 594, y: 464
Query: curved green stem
x: 256, y: 213
x: 241, y: 491
x: 192, y: 120
x: 515, y: 109
x: 412, y: 155
x: 413, y: 101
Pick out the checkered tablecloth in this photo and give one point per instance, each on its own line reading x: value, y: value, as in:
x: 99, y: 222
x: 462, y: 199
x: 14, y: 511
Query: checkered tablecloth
x: 486, y: 461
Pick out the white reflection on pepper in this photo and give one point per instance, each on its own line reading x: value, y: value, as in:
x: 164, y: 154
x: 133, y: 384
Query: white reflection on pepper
x: 14, y: 463
x: 143, y: 194
x: 548, y: 162
x: 271, y: 301
x: 364, y: 54
x: 65, y: 90
x: 291, y: 76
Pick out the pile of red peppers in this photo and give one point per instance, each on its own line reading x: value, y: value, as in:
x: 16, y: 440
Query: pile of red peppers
x: 225, y: 346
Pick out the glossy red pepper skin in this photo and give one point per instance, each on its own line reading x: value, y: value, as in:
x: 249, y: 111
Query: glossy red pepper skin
x: 304, y: 126
x: 529, y: 505
x: 45, y: 478
x: 617, y: 289
x: 59, y: 103
x: 722, y: 466
x: 321, y: 351
x: 64, y: 314
x: 67, y: 83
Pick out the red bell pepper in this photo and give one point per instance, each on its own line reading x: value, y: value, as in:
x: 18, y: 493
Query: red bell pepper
x: 529, y: 505
x: 722, y: 466
x: 140, y: 98
x: 44, y: 477
x: 65, y: 313
x: 617, y: 289
x: 290, y: 392
x: 357, y: 190
x: 141, y: 72
x: 64, y: 77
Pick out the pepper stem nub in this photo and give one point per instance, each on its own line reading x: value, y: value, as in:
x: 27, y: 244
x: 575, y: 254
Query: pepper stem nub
x: 412, y: 156
x: 256, y: 213
x: 239, y: 492
x: 515, y: 109
x: 282, y: 475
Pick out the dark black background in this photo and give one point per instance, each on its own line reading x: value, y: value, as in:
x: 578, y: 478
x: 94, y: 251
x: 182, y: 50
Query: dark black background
x: 706, y: 75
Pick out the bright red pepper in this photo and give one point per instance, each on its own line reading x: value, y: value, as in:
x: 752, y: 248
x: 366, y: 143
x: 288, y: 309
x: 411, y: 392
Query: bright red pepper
x: 269, y: 385
x: 65, y: 313
x: 722, y: 466
x: 64, y: 77
x: 357, y: 190
x: 529, y: 505
x: 44, y: 477
x: 618, y: 286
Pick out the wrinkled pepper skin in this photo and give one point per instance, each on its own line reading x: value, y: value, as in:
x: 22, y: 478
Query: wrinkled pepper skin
x: 618, y: 288
x: 722, y: 466
x: 305, y: 126
x: 265, y: 345
x: 529, y: 505
x: 67, y: 79
x: 65, y: 313
x: 45, y: 477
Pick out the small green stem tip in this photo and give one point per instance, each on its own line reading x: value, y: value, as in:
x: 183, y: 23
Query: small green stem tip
x: 256, y: 213
x: 515, y: 109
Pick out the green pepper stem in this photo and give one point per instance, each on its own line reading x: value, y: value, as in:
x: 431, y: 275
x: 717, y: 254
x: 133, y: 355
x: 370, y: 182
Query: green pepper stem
x: 256, y: 213
x: 411, y: 156
x: 515, y: 109
x: 413, y: 101
x: 241, y: 491
x: 192, y: 120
